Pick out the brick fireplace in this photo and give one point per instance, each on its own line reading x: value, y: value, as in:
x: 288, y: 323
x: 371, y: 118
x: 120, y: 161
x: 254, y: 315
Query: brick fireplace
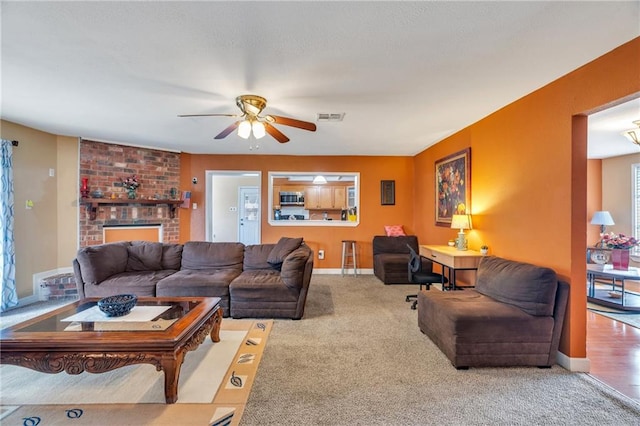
x: 105, y: 165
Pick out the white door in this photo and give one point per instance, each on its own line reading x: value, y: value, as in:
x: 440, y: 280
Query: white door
x: 249, y: 215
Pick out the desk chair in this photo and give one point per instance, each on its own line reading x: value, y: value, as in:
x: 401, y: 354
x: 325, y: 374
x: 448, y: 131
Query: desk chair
x: 418, y: 276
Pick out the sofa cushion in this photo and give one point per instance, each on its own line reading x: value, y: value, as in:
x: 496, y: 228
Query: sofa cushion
x: 144, y: 256
x: 529, y: 287
x: 171, y: 256
x: 207, y: 255
x: 261, y: 286
x: 197, y: 283
x: 394, y: 231
x: 98, y: 263
x: 142, y: 284
x: 292, y: 270
x: 282, y: 249
x: 255, y: 257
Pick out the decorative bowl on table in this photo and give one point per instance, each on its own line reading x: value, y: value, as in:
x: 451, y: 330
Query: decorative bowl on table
x: 118, y: 305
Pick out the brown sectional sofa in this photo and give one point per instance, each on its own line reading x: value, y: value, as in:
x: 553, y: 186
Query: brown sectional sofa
x: 513, y: 317
x: 265, y: 280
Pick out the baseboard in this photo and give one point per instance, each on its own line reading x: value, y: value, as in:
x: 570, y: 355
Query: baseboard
x: 578, y: 365
x: 338, y: 271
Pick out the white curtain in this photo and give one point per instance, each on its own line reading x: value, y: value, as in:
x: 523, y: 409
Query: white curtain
x: 7, y: 247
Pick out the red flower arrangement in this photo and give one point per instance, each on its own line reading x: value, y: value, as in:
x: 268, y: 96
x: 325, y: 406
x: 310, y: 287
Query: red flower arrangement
x: 618, y: 241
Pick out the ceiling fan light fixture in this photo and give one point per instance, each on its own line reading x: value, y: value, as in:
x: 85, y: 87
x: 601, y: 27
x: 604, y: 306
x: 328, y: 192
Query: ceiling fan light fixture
x: 244, y: 129
x: 258, y: 129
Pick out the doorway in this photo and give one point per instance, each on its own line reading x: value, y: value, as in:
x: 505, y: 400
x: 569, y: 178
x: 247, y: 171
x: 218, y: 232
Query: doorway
x: 610, y: 157
x: 224, y: 208
x: 249, y: 215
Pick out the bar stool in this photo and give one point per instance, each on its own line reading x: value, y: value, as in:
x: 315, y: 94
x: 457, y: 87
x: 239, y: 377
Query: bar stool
x: 349, y: 256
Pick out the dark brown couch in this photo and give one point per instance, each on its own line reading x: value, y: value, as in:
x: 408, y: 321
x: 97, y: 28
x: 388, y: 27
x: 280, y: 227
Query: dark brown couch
x: 391, y: 258
x: 265, y: 280
x: 513, y: 317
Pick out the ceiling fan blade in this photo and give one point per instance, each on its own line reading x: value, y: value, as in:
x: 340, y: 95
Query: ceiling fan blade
x: 293, y: 122
x: 277, y: 134
x: 223, y: 134
x: 208, y: 115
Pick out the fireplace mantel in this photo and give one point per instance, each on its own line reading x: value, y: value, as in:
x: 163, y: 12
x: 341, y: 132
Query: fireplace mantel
x: 93, y: 203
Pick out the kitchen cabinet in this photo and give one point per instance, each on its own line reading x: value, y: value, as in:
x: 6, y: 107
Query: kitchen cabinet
x: 340, y: 197
x: 325, y: 197
x: 276, y: 197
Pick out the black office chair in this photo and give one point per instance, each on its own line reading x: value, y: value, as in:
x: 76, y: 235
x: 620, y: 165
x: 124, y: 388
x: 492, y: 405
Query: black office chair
x: 418, y: 276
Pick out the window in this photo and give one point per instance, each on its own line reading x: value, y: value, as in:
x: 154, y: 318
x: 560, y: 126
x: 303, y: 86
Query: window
x: 304, y: 199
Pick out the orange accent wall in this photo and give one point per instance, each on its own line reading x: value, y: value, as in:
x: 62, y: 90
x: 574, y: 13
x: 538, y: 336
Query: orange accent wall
x: 529, y: 176
x: 528, y: 182
x: 373, y: 216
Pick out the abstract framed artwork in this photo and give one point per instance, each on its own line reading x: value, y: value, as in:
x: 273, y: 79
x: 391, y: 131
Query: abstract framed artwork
x: 453, y: 186
x: 387, y: 192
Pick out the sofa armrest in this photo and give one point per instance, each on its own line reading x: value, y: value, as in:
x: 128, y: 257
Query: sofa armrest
x: 559, y: 312
x: 384, y: 244
x: 78, y: 277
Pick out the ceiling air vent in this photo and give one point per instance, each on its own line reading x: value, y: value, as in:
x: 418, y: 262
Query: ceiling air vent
x: 330, y: 116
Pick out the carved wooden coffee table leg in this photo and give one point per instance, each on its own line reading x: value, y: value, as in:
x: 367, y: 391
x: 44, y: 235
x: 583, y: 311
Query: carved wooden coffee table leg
x: 171, y: 367
x: 217, y: 321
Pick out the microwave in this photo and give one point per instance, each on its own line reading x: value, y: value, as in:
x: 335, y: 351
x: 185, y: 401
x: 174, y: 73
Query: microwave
x: 291, y: 198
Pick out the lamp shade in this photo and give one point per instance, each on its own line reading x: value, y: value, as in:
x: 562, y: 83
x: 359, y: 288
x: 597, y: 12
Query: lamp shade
x: 461, y: 221
x: 258, y: 129
x: 602, y: 218
x: 319, y: 179
x: 244, y: 129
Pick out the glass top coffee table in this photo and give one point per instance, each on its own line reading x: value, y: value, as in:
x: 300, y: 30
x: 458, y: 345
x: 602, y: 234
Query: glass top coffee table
x: 78, y: 337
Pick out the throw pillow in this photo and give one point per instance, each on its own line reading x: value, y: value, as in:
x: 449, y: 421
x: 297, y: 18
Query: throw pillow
x: 282, y: 249
x: 292, y: 272
x: 171, y: 256
x: 394, y: 231
x: 97, y: 263
x: 144, y: 257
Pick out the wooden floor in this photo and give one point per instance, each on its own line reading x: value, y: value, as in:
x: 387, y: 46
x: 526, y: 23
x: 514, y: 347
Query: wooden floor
x: 613, y: 349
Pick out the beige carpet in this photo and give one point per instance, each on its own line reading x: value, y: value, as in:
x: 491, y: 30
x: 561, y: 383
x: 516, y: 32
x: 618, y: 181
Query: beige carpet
x: 217, y: 377
x: 358, y: 358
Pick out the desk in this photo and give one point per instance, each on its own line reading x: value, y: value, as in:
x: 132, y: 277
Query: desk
x: 627, y: 301
x: 452, y: 259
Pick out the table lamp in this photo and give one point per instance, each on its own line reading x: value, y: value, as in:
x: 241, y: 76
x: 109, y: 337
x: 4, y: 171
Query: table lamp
x: 602, y: 218
x: 461, y: 222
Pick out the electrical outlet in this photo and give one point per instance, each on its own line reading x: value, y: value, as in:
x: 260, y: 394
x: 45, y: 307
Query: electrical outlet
x: 321, y: 254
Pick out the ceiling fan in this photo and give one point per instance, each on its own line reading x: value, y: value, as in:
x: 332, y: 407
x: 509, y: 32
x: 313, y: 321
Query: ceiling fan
x: 251, y: 121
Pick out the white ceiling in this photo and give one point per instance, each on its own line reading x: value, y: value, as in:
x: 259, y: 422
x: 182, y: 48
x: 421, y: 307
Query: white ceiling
x: 605, y: 138
x: 407, y: 74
